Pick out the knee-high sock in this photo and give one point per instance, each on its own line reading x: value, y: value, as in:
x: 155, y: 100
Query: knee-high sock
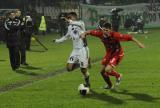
x: 114, y: 73
x: 86, y: 78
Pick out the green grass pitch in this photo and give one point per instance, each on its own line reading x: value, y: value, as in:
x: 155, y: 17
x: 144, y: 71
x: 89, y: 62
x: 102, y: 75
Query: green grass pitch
x: 45, y: 83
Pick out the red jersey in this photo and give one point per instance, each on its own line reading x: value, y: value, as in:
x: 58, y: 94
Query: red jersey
x: 112, y: 42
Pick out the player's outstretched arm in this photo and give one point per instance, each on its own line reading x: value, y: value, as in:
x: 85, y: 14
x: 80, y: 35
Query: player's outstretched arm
x: 138, y: 42
x: 83, y: 35
x: 61, y: 39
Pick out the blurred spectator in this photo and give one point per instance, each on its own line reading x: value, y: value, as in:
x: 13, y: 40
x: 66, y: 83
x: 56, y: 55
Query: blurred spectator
x: 12, y: 39
x: 128, y: 23
x: 2, y: 29
x: 63, y: 25
x: 28, y: 30
x: 102, y: 21
x: 21, y: 34
x: 115, y: 18
x: 140, y: 24
x: 135, y: 23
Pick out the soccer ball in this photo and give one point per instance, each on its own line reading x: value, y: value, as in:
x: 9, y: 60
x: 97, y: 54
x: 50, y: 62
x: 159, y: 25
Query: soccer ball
x: 83, y: 90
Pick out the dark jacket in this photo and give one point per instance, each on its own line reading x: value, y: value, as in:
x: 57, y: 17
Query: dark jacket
x: 20, y: 31
x: 11, y: 27
x: 115, y: 20
x: 28, y: 25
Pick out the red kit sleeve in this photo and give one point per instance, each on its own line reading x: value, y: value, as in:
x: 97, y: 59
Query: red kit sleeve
x: 122, y: 37
x: 96, y: 33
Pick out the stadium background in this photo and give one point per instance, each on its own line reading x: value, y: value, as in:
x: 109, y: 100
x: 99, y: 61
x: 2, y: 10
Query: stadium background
x: 88, y: 10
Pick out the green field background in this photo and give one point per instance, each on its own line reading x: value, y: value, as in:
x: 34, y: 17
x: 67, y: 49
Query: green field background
x: 43, y: 89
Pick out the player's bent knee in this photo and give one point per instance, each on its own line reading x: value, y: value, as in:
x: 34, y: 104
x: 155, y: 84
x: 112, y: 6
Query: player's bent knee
x: 69, y: 69
x: 108, y: 68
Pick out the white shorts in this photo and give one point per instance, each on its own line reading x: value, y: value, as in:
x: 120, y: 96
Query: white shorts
x: 80, y: 56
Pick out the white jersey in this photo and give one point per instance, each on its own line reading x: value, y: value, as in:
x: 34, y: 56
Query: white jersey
x: 75, y: 29
x: 80, y: 54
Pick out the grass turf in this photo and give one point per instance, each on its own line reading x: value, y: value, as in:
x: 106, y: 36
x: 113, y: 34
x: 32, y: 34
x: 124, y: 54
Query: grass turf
x: 139, y: 88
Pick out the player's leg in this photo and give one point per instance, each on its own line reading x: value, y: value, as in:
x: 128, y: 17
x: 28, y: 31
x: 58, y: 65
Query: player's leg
x: 106, y: 69
x: 106, y: 77
x: 71, y: 64
x: 89, y: 63
x: 113, y: 62
x: 12, y: 58
x: 116, y: 75
x: 86, y: 76
x: 17, y: 57
x: 83, y: 61
x: 89, y: 59
x: 112, y: 72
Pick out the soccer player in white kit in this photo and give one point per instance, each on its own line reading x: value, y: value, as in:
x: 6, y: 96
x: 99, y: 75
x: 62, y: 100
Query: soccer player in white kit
x: 80, y: 52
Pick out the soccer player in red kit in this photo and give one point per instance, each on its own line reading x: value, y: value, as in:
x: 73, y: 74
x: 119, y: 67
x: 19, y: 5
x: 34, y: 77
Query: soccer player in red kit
x: 114, y: 51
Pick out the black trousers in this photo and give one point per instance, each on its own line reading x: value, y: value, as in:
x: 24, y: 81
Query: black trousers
x: 28, y: 40
x: 23, y: 53
x: 14, y: 56
x: 115, y: 28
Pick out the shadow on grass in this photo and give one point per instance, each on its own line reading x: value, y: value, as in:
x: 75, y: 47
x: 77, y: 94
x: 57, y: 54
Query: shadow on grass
x: 33, y: 50
x: 35, y: 45
x: 2, y: 60
x: 27, y: 73
x: 137, y: 96
x: 104, y: 97
x: 31, y: 68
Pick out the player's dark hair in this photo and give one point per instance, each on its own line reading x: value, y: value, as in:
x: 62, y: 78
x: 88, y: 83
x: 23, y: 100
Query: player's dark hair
x: 73, y: 14
x: 107, y: 25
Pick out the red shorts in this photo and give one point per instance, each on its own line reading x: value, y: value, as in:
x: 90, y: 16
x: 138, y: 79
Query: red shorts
x: 113, y: 59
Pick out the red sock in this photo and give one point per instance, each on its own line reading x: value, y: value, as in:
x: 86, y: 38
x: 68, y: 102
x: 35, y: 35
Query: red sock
x: 114, y: 73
